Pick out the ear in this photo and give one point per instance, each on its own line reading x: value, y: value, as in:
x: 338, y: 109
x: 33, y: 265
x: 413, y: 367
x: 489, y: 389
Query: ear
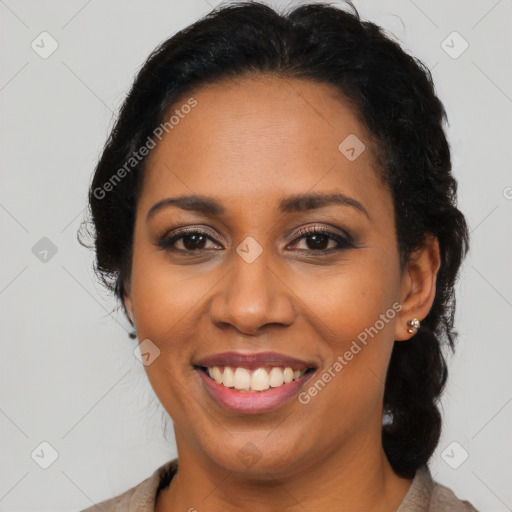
x: 418, y: 288
x: 127, y: 300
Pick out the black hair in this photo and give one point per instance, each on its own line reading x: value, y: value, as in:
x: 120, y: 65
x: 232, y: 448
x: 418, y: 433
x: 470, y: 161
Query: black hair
x: 392, y: 93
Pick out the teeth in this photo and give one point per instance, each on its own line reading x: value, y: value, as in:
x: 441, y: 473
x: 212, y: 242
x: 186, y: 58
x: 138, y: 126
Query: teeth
x: 228, y: 377
x: 259, y: 379
x: 215, y: 374
x: 276, y: 377
x: 288, y: 374
x: 242, y: 379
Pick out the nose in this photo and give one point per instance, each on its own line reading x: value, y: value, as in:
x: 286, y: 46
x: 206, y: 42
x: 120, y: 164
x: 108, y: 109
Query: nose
x: 251, y: 296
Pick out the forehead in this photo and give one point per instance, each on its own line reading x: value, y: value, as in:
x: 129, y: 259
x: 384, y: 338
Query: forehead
x: 263, y: 136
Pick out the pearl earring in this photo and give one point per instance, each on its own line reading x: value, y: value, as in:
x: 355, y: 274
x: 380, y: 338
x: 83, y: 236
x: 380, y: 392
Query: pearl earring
x: 414, y: 325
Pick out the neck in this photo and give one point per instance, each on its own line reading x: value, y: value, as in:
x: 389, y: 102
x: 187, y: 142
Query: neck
x: 353, y: 479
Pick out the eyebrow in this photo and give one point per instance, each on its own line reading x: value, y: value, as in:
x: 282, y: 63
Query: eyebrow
x: 295, y: 203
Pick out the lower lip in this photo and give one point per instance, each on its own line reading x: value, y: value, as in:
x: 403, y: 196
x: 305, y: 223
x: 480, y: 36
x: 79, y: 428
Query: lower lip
x: 256, y: 402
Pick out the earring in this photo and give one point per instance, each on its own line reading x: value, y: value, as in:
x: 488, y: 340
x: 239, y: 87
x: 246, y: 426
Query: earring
x: 414, y: 325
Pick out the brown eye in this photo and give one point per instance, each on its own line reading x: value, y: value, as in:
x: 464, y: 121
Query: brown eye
x: 318, y: 240
x: 191, y: 240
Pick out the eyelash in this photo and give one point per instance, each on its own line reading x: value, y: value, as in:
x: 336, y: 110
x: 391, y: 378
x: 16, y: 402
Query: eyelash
x: 166, y: 242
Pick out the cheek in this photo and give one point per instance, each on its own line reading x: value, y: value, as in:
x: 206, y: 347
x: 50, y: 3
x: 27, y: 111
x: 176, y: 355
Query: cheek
x: 355, y: 311
x: 165, y: 295
x: 351, y: 297
x: 167, y: 303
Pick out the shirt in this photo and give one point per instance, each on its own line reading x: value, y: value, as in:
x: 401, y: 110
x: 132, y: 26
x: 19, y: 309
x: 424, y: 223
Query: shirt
x: 424, y: 495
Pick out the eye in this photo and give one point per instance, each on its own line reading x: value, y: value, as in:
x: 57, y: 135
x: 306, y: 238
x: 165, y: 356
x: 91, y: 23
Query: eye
x: 190, y: 240
x: 317, y: 240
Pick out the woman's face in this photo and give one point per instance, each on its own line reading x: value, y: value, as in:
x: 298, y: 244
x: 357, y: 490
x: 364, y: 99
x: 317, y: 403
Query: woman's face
x: 247, y: 281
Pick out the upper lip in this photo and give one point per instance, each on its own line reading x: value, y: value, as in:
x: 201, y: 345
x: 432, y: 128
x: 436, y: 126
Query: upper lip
x: 253, y: 361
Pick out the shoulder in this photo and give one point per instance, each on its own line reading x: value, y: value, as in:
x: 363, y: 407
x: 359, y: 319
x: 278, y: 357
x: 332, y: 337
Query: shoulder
x: 445, y: 499
x: 140, y: 498
x: 425, y: 495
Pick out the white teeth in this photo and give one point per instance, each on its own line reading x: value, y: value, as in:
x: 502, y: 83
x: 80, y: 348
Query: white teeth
x: 276, y: 377
x: 242, y: 379
x: 288, y: 374
x: 217, y: 375
x: 227, y: 377
x: 259, y: 379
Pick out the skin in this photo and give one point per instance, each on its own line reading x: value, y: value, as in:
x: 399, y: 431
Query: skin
x: 249, y: 143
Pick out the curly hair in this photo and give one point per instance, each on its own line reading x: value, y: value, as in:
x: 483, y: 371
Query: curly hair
x: 391, y: 92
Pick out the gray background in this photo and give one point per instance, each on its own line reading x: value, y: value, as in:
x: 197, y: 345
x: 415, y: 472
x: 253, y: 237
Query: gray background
x: 68, y: 373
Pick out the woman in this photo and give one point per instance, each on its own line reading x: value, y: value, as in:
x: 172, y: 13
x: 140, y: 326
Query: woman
x: 276, y: 213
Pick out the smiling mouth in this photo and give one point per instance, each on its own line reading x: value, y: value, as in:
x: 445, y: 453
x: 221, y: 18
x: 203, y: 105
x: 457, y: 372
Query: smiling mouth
x: 257, y: 380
